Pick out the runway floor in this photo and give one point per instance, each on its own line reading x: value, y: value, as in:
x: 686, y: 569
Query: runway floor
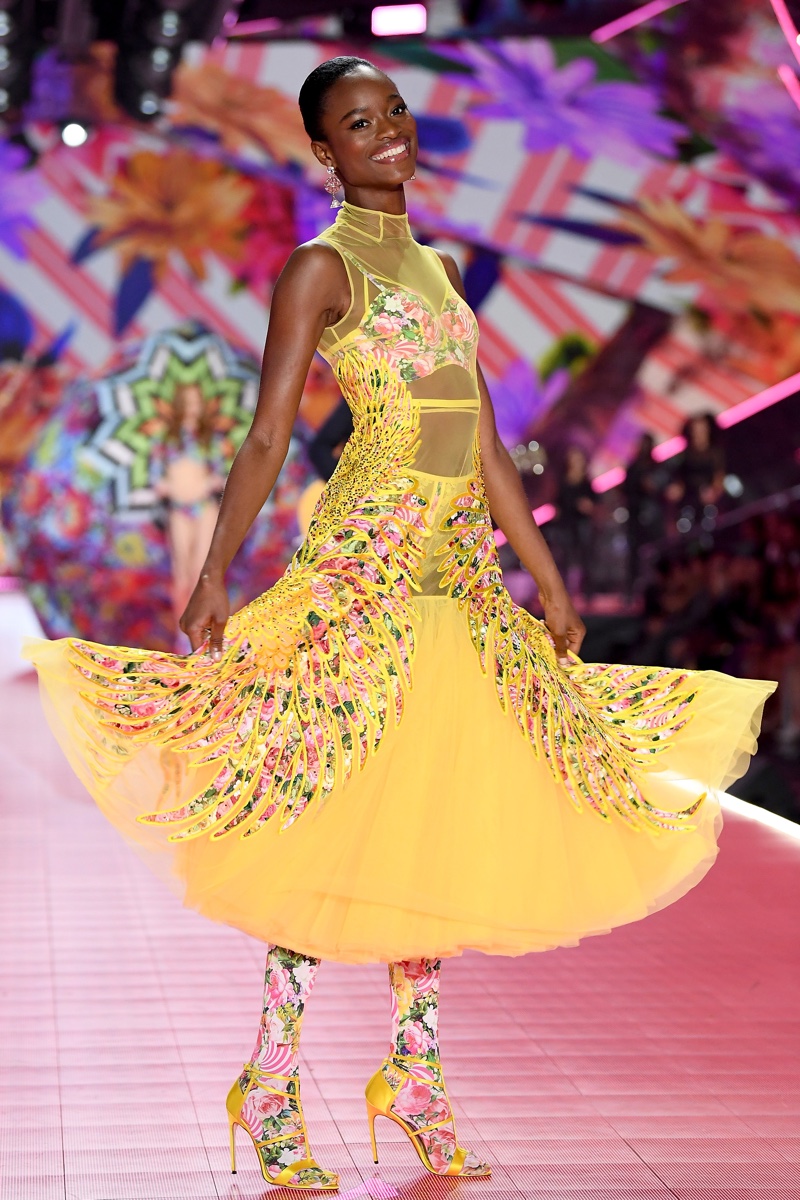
x: 660, y: 1061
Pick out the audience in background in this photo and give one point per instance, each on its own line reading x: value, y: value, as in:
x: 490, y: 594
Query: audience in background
x: 734, y: 608
x: 572, y: 528
x: 698, y: 473
x: 645, y: 486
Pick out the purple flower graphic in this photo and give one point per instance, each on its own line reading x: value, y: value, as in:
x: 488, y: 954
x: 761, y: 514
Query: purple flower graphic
x: 564, y: 106
x: 763, y: 137
x: 19, y: 191
x: 520, y: 398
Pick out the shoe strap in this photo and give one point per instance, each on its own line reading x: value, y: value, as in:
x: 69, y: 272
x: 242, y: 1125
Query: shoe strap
x: 252, y: 1071
x: 401, y: 1060
x: 291, y: 1169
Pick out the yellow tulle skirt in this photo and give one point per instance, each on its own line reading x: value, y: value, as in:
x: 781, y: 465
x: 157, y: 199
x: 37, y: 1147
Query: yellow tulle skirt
x: 453, y: 835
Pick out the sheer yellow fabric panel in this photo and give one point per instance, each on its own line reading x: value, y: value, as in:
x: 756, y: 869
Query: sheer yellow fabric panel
x: 381, y: 258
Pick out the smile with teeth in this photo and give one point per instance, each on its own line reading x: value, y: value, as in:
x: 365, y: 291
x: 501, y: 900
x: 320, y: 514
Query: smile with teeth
x: 392, y: 153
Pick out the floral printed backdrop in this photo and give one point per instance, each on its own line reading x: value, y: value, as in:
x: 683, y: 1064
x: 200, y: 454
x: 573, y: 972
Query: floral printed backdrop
x: 625, y: 217
x: 85, y: 521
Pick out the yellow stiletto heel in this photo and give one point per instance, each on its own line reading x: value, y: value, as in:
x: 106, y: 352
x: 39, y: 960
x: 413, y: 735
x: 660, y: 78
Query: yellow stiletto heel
x: 232, y: 1125
x: 234, y: 1104
x: 372, y: 1113
x: 380, y: 1096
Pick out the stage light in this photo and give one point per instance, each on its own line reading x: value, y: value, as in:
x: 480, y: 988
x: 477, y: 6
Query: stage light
x: 609, y: 479
x: 170, y: 23
x: 17, y: 51
x: 770, y: 395
x: 74, y: 134
x: 152, y: 39
x: 398, y: 20
x: 632, y: 19
x: 149, y: 104
x: 669, y: 448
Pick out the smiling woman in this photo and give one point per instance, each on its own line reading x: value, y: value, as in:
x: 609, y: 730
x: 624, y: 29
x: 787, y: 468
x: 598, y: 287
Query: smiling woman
x: 372, y: 125
x: 382, y: 758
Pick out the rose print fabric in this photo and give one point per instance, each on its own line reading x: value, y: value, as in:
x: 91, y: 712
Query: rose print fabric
x: 413, y: 1070
x: 272, y: 1110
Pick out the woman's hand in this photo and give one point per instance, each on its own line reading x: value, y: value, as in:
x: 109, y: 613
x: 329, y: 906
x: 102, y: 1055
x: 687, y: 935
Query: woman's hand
x: 566, y: 628
x: 206, y: 615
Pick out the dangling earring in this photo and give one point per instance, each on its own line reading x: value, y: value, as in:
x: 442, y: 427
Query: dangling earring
x: 332, y: 185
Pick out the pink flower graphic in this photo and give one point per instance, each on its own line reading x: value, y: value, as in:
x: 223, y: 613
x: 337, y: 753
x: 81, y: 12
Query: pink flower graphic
x: 431, y: 329
x: 424, y: 364
x: 416, y: 1039
x: 412, y: 1099
x: 423, y: 978
x: 279, y: 989
x: 441, y: 1148
x: 413, y: 308
x: 459, y: 325
x: 387, y: 324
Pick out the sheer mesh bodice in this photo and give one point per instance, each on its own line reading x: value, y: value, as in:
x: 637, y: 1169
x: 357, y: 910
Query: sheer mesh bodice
x: 405, y: 311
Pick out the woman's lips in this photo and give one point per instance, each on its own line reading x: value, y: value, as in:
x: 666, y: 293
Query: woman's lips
x: 396, y: 152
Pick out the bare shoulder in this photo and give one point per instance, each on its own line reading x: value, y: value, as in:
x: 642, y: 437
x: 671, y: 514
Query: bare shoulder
x: 451, y: 269
x: 314, y: 277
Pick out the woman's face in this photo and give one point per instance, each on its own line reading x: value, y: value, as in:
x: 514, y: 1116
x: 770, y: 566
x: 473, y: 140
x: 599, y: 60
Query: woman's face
x: 189, y: 400
x: 699, y: 433
x: 370, y: 136
x: 576, y: 460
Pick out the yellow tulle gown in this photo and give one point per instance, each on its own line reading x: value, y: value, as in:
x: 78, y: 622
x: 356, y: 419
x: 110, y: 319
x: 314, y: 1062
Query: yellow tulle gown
x: 388, y: 761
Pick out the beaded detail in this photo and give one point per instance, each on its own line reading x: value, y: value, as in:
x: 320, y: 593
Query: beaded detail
x: 313, y: 670
x: 598, y: 727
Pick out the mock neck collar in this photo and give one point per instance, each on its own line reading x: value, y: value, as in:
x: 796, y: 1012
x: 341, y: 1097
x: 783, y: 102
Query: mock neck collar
x: 370, y: 223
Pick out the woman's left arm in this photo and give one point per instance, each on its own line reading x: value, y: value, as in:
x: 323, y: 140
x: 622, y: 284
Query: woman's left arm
x: 510, y: 509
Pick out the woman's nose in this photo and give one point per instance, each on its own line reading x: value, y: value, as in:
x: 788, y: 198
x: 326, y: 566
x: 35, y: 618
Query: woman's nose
x: 389, y: 127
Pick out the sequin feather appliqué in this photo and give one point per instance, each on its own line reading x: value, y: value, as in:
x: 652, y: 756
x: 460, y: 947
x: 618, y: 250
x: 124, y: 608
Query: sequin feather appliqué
x: 312, y: 671
x: 598, y: 727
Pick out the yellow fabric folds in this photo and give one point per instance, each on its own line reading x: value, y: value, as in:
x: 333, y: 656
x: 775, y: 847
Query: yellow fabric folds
x: 388, y: 763
x: 452, y: 836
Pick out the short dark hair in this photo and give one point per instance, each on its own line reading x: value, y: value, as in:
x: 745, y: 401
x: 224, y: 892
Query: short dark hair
x: 318, y: 84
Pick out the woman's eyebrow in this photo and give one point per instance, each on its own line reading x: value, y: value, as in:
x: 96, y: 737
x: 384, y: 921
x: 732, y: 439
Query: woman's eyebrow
x: 355, y: 111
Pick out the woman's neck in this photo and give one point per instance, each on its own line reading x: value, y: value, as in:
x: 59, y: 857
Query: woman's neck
x: 393, y: 203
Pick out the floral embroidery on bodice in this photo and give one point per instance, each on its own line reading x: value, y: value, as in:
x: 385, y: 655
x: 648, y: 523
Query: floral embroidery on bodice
x: 404, y: 330
x: 405, y: 310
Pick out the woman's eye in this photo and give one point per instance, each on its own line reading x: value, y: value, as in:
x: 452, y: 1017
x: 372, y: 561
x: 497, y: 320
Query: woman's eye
x: 399, y: 108
x: 359, y: 124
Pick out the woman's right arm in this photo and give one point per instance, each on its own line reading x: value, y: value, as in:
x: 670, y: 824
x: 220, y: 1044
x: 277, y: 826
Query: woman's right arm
x: 311, y: 293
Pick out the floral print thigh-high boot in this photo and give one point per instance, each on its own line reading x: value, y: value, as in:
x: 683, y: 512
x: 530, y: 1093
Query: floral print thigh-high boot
x: 409, y: 1087
x: 265, y: 1099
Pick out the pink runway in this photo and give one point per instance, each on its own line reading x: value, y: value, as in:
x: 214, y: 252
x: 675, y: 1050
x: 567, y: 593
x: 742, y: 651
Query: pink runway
x: 661, y: 1061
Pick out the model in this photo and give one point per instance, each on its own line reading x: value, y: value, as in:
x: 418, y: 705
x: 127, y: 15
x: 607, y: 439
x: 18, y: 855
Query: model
x: 382, y: 758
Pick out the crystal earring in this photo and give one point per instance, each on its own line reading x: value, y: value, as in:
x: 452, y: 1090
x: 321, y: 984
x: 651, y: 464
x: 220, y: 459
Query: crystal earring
x: 332, y: 185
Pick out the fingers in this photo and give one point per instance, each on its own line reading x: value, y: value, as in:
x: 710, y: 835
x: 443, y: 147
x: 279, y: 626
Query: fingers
x: 217, y: 633
x: 196, y: 635
x: 561, y: 646
x: 575, y: 638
